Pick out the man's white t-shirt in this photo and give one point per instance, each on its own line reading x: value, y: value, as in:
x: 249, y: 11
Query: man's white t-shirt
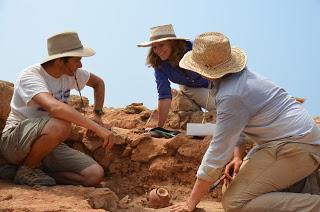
x: 34, y: 80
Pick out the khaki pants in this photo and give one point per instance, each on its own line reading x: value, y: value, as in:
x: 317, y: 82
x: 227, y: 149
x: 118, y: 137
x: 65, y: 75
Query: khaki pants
x: 15, y: 145
x: 269, y: 179
x: 199, y: 96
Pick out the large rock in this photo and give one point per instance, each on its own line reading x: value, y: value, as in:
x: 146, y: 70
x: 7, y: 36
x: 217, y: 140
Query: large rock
x: 5, y: 99
x: 162, y: 167
x: 103, y: 198
x: 181, y: 102
x: 145, y: 151
x: 79, y: 103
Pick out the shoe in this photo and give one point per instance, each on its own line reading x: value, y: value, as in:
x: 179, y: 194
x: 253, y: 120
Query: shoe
x: 8, y: 171
x: 32, y: 177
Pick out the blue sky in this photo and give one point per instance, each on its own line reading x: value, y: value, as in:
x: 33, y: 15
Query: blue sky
x: 281, y: 38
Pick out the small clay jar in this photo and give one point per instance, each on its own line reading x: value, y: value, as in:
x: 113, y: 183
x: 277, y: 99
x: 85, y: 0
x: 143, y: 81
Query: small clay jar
x: 158, y: 198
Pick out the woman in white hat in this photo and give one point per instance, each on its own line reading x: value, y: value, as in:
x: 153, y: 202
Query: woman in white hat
x: 282, y: 170
x: 164, y: 56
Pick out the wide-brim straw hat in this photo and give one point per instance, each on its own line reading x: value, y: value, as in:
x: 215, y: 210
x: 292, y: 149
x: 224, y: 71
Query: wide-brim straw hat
x: 161, y: 33
x: 212, y: 56
x: 66, y: 44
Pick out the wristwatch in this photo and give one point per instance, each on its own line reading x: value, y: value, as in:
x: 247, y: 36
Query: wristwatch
x: 98, y: 112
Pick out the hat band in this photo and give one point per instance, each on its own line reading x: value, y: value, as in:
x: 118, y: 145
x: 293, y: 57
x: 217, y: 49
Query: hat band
x: 162, y: 36
x: 208, y: 65
x: 61, y: 51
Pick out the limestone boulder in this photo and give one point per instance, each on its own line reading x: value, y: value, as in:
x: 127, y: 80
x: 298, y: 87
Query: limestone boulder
x: 147, y: 150
x: 5, y: 99
x: 103, y: 198
x: 181, y: 102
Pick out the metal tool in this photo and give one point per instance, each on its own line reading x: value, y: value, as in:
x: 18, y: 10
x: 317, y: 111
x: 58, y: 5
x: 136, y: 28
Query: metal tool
x: 216, y: 183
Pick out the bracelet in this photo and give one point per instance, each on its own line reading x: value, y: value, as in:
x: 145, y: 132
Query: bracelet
x: 98, y: 112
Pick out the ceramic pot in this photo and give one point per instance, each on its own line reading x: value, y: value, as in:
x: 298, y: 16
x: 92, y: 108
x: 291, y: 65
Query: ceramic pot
x: 158, y: 198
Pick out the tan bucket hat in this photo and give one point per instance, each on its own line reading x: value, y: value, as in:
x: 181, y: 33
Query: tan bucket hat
x: 213, y: 57
x: 161, y: 33
x: 66, y: 44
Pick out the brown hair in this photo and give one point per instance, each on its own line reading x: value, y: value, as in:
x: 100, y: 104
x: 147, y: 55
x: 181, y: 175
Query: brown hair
x: 179, y: 48
x: 64, y: 59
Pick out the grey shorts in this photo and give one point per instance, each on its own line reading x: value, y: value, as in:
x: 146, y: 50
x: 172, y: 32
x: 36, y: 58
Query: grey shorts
x: 16, y: 143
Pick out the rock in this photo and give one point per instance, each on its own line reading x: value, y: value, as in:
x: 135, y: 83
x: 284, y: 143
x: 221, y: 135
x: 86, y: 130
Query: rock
x: 91, y: 145
x: 5, y: 99
x: 178, y: 141
x: 103, y: 156
x: 148, y: 150
x: 127, y: 151
x: 136, y: 139
x: 76, y: 103
x: 190, y: 149
x: 120, y: 135
x: 145, y: 114
x: 162, y: 167
x: 124, y: 202
x: 103, y: 198
x: 135, y: 108
x: 181, y: 102
x: 77, y: 133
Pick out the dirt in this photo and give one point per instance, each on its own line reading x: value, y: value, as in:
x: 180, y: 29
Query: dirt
x: 136, y: 164
x: 77, y: 198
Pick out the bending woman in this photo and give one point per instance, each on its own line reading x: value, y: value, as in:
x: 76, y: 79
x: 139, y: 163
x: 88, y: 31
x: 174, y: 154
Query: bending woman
x: 164, y: 55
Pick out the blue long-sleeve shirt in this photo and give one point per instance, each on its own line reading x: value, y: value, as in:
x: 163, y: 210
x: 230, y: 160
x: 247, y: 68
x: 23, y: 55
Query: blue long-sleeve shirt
x: 166, y: 73
x: 250, y: 107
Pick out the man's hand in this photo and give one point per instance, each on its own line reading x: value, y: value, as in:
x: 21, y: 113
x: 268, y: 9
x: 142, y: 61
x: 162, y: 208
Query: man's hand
x: 182, y: 207
x: 105, y: 134
x: 107, y: 142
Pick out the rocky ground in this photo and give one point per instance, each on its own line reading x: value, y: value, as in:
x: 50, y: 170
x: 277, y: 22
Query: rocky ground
x: 78, y: 198
x: 135, y: 165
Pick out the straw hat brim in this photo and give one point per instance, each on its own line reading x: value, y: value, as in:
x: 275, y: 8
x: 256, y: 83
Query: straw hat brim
x: 149, y: 43
x: 236, y: 64
x: 83, y: 52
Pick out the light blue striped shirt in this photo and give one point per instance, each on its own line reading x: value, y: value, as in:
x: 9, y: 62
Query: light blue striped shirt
x: 252, y: 108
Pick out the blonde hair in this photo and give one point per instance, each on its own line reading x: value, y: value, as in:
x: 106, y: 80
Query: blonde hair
x: 179, y: 48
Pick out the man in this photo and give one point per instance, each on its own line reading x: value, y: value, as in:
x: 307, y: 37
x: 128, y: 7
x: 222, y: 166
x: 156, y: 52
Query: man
x: 40, y: 120
x: 251, y: 108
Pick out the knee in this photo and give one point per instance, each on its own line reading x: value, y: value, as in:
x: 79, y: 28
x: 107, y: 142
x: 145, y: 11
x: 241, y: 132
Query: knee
x: 231, y: 203
x: 93, y: 175
x: 62, y: 127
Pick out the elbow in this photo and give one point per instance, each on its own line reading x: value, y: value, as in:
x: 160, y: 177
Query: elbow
x: 55, y: 110
x: 99, y: 85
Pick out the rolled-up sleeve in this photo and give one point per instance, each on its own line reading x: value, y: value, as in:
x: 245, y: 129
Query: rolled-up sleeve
x: 163, y: 85
x: 232, y: 117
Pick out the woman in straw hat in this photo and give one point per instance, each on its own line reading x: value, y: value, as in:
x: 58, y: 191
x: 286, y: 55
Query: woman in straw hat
x: 164, y: 55
x: 32, y: 141
x: 281, y: 173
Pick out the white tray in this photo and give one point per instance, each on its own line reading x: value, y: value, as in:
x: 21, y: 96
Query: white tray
x: 199, y: 129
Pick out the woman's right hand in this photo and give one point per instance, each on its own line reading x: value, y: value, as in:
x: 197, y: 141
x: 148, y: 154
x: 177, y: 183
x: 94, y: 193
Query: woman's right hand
x: 232, y: 169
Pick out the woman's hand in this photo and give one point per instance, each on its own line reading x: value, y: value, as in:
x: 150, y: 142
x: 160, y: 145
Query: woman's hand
x: 232, y: 169
x: 181, y: 207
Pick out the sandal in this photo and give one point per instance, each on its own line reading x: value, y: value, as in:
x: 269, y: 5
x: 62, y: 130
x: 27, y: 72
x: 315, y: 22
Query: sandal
x: 31, y: 177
